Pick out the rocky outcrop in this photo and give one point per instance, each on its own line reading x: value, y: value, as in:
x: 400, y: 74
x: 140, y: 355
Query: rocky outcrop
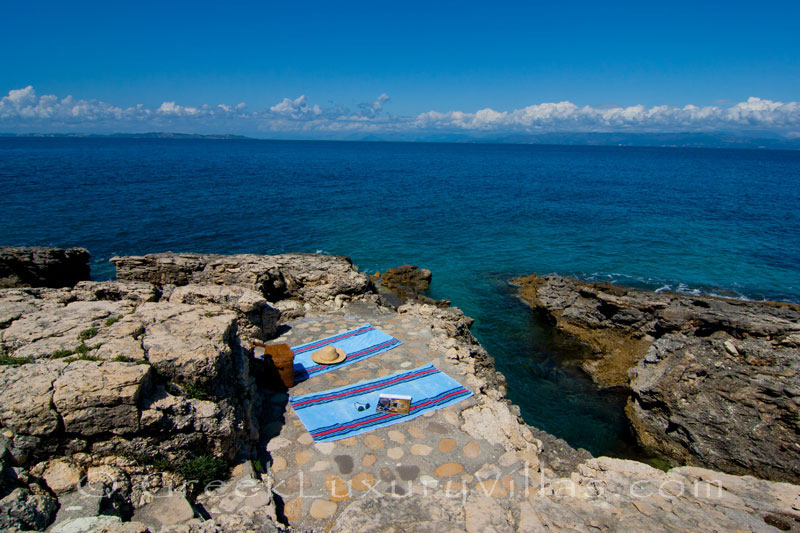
x: 732, y: 404
x: 40, y: 266
x: 123, y: 382
x: 406, y: 281
x: 309, y: 278
x: 128, y: 390
x: 124, y: 376
x: 713, y: 382
x: 404, y: 284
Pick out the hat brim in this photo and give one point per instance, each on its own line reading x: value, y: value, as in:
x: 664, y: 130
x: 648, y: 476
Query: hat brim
x: 339, y: 359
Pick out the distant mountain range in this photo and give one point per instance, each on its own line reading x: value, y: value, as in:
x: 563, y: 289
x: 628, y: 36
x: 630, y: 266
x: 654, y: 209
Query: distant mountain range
x: 150, y: 135
x: 750, y: 140
x: 682, y: 140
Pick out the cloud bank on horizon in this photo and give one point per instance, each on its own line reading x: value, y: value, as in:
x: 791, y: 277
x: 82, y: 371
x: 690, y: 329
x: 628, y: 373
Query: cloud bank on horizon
x: 24, y: 111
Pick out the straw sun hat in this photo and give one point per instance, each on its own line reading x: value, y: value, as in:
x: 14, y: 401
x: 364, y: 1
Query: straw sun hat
x: 328, y: 356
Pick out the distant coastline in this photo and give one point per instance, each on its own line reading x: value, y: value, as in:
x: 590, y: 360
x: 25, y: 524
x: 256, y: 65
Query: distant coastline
x: 645, y: 140
x: 149, y: 135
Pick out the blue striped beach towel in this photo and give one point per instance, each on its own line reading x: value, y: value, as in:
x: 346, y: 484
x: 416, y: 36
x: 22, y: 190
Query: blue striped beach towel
x: 359, y: 344
x: 334, y: 414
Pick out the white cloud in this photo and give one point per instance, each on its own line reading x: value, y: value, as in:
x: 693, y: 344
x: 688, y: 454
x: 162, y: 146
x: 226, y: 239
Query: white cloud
x: 371, y: 109
x: 24, y: 110
x: 296, y: 109
x: 566, y: 116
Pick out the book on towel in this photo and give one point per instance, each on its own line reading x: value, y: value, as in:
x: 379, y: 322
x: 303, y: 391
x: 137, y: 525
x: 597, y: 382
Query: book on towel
x: 394, y: 403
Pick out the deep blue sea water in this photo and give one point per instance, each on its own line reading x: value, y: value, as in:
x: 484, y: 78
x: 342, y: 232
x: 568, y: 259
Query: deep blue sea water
x: 717, y: 221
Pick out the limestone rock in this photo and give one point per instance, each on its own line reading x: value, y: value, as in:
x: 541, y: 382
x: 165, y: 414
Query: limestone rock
x: 94, y: 403
x: 310, y: 278
x: 609, y: 492
x: 417, y: 513
x: 26, y: 403
x: 699, y: 403
x: 97, y: 397
x: 256, y: 317
x: 62, y: 476
x: 406, y: 281
x: 78, y: 504
x: 485, y: 514
x: 60, y: 327
x: 290, y: 309
x: 17, y: 302
x: 243, y: 496
x: 188, y: 343
x: 21, y: 510
x: 98, y: 524
x: 40, y: 266
x: 168, y: 508
x: 494, y: 422
x: 715, y: 382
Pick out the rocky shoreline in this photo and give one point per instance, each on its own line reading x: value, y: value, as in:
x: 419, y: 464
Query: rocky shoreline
x: 713, y: 382
x: 121, y: 399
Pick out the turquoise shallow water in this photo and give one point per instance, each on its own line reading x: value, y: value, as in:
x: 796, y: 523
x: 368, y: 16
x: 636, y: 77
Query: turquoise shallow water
x: 717, y: 221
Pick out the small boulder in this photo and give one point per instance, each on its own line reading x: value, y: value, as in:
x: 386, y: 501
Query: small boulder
x: 21, y: 510
x: 62, y: 476
x: 168, y: 508
x: 407, y: 281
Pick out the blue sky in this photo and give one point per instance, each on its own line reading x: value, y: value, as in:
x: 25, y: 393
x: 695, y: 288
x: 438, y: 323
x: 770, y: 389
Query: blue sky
x: 437, y: 63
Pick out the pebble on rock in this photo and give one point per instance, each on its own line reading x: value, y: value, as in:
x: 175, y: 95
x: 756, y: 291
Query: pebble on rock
x: 421, y: 449
x: 322, y: 509
x: 446, y: 445
x: 302, y: 458
x: 472, y: 449
x: 362, y: 481
x: 395, y: 453
x: 448, y: 469
x: 373, y: 442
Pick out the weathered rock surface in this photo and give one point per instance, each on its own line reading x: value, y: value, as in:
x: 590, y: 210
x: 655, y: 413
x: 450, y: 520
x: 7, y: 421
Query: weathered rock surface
x: 245, y: 497
x: 736, y: 410
x: 413, y: 513
x: 26, y: 404
x: 22, y: 510
x: 714, y: 382
x: 96, y: 398
x: 40, y: 266
x: 257, y: 319
x: 110, y: 379
x: 605, y: 494
x: 315, y: 279
x: 406, y: 281
x: 168, y: 508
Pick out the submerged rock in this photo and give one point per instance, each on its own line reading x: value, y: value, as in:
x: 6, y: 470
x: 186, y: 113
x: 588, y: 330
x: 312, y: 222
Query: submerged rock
x: 713, y: 382
x: 406, y: 281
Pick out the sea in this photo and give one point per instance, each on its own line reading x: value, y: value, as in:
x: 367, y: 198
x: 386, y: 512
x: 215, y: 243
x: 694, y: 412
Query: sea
x: 713, y: 221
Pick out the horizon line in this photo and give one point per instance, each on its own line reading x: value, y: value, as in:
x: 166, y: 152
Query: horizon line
x: 717, y: 143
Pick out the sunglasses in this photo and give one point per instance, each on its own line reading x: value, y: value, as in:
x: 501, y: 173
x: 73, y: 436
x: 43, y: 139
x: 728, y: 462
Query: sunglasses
x: 361, y: 406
